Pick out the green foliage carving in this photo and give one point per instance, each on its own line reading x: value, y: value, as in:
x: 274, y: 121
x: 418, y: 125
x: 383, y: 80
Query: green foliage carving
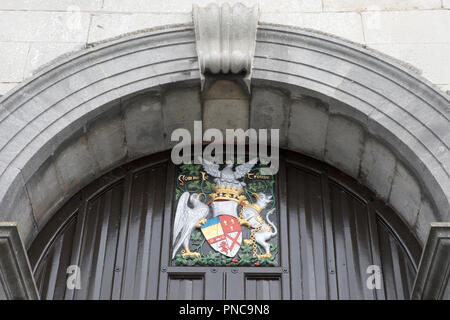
x: 244, y: 259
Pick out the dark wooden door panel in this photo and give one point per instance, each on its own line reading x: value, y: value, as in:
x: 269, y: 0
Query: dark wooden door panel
x: 263, y: 288
x: 209, y: 283
x: 352, y: 246
x: 223, y: 283
x: 186, y: 288
x: 99, y: 225
x: 143, y: 236
x: 398, y: 270
x: 307, y: 252
x: 51, y: 272
x: 118, y: 232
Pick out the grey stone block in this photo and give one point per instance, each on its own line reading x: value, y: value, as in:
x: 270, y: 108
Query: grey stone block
x: 410, y: 151
x: 350, y: 107
x: 377, y: 167
x: 46, y: 191
x: 18, y: 143
x: 144, y: 126
x: 269, y: 109
x: 225, y: 89
x: 225, y: 114
x: 76, y: 165
x: 405, y: 194
x: 9, y: 126
x: 106, y: 142
x: 225, y: 106
x: 308, y: 127
x: 411, y: 120
x: 181, y: 107
x: 344, y: 145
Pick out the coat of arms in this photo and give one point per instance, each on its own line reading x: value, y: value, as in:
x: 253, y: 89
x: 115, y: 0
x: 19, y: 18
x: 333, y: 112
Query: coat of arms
x: 223, y: 216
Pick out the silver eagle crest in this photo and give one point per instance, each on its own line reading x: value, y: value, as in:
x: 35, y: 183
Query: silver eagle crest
x: 227, y: 176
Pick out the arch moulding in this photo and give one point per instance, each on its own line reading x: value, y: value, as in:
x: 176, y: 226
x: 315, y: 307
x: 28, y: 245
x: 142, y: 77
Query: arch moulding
x: 71, y: 122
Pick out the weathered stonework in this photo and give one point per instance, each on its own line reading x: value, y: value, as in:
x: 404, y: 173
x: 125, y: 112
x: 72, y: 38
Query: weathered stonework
x: 54, y: 120
x: 344, y: 145
x: 144, y: 126
x: 46, y: 192
x: 76, y: 164
x: 405, y: 194
x: 308, y: 124
x: 180, y: 109
x: 225, y: 105
x: 36, y: 32
x: 106, y: 142
x: 377, y: 167
x: 269, y: 109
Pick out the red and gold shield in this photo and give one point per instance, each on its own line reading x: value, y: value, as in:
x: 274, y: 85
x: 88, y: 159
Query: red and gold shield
x: 224, y: 234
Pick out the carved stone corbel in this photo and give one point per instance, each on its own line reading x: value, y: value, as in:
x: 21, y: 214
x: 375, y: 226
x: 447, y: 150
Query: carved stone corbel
x: 225, y: 38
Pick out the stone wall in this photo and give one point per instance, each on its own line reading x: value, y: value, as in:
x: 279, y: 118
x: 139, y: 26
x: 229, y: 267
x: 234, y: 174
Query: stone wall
x: 34, y: 32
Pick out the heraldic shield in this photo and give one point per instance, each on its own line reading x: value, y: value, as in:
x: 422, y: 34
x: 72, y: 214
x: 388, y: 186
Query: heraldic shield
x: 224, y: 234
x: 223, y: 215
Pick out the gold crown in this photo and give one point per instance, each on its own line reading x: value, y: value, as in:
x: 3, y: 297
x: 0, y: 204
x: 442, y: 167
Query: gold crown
x: 227, y: 193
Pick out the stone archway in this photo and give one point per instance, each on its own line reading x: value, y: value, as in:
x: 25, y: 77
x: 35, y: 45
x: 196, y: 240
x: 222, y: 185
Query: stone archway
x: 377, y: 121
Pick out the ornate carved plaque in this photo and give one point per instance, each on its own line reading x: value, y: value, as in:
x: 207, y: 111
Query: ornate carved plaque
x: 225, y: 216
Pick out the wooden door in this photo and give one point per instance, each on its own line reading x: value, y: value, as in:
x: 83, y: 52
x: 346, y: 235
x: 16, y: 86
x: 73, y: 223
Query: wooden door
x: 118, y: 231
